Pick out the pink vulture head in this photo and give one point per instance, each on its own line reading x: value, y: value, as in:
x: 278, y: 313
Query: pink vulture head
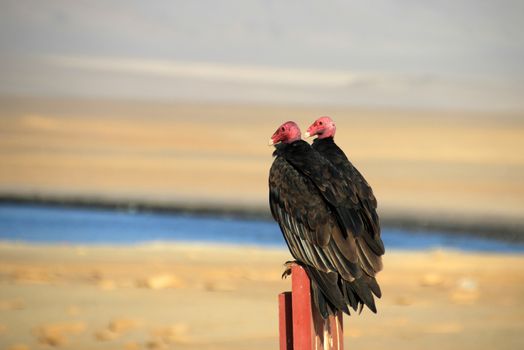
x: 323, y: 127
x: 286, y: 133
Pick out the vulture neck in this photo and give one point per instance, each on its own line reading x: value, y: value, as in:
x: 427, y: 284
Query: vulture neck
x: 282, y: 148
x: 329, y: 139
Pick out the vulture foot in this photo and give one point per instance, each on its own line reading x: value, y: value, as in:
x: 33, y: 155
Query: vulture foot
x: 288, y: 265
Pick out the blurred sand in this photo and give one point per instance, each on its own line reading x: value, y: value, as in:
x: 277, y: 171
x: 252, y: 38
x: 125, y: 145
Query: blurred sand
x: 442, y: 164
x: 222, y: 297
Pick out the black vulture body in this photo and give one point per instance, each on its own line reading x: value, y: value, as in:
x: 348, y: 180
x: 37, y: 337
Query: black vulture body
x: 328, y: 227
x: 368, y: 203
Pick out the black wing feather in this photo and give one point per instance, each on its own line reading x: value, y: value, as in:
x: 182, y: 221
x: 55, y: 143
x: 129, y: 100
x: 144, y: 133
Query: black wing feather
x: 364, y: 212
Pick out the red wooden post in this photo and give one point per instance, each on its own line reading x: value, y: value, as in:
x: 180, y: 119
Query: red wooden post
x: 301, y: 307
x: 285, y: 321
x: 301, y: 326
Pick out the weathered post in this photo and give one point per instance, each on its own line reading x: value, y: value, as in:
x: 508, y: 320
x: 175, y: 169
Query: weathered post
x: 301, y: 326
x: 285, y: 321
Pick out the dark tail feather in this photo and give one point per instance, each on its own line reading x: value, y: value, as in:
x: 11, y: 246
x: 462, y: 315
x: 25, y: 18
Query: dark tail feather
x: 359, y: 293
x: 329, y: 292
x: 350, y: 298
x: 375, y: 288
x: 326, y: 293
x: 321, y: 303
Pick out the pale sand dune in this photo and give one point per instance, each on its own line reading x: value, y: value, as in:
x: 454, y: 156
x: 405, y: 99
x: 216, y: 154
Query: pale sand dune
x: 432, y: 300
x: 446, y: 164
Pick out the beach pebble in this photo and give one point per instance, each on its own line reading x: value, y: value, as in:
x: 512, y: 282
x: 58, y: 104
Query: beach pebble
x: 219, y: 286
x: 155, y: 344
x: 176, y: 333
x: 31, y: 276
x: 161, y: 282
x: 467, y: 284
x: 122, y: 325
x: 105, y: 335
x: 106, y: 284
x: 403, y: 300
x: 466, y: 291
x: 96, y: 275
x: 56, y: 334
x: 52, y: 338
x: 431, y: 280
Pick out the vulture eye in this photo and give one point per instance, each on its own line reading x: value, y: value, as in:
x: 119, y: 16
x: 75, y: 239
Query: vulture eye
x: 283, y: 129
x: 319, y: 123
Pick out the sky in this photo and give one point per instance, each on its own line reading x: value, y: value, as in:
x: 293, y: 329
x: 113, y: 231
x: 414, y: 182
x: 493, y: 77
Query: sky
x: 422, y: 54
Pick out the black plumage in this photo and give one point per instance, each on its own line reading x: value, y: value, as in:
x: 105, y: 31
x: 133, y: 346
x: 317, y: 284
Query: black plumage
x: 327, y: 214
x: 367, y: 205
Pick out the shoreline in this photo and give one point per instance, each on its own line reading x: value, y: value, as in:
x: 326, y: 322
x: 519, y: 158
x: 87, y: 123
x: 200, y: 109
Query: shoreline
x: 174, y: 246
x: 477, y: 227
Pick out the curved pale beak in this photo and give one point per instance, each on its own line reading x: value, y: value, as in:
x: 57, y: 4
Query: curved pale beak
x: 270, y: 143
x: 307, y: 134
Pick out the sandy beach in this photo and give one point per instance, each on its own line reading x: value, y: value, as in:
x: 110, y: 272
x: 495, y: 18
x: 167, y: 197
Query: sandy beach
x: 174, y: 296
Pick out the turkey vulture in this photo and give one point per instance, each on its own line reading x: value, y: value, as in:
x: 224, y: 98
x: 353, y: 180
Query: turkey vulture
x: 324, y: 128
x: 324, y: 223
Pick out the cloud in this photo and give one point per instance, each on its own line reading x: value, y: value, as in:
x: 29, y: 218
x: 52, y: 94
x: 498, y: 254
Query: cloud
x: 213, y: 71
x: 130, y: 77
x: 243, y: 74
